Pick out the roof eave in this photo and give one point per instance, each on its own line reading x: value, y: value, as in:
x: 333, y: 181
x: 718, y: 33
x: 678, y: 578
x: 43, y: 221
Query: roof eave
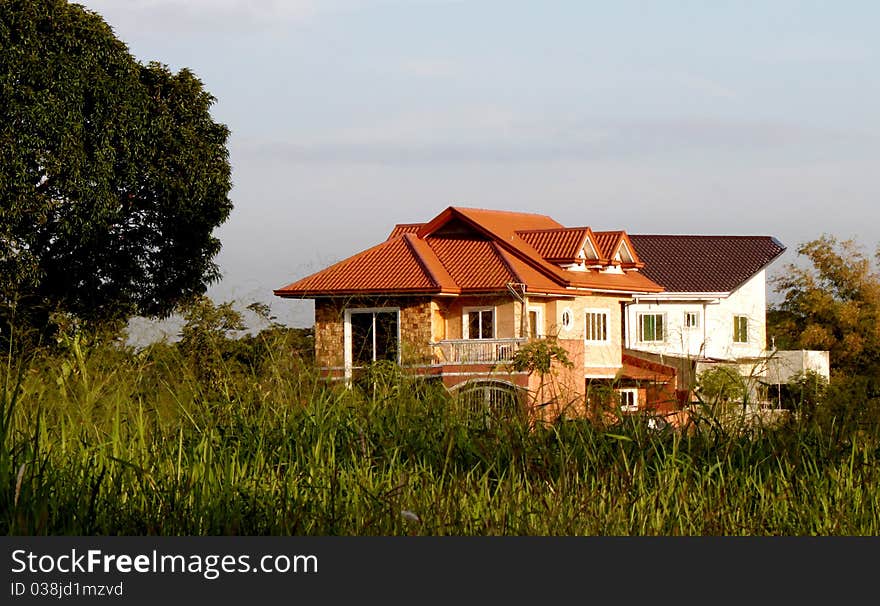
x: 688, y: 296
x: 313, y: 294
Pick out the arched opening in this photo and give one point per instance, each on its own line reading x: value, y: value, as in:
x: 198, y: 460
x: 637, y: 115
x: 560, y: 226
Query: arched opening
x: 489, y: 400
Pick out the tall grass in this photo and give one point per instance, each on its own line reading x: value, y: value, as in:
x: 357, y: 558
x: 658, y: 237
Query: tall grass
x: 105, y: 440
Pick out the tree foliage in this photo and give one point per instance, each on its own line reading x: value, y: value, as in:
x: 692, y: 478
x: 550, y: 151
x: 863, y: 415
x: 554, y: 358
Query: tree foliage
x: 831, y: 304
x: 722, y: 384
x: 113, y: 175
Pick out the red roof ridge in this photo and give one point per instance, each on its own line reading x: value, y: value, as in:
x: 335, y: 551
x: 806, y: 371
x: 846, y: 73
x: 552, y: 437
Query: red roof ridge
x: 434, y: 268
x: 514, y: 243
x: 548, y: 229
x: 507, y: 262
x: 504, y: 212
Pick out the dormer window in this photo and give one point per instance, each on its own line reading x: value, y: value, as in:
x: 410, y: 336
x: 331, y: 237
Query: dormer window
x: 623, y: 254
x: 589, y: 252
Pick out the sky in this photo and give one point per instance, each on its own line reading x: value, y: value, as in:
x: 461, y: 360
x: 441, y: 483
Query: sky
x: 674, y: 117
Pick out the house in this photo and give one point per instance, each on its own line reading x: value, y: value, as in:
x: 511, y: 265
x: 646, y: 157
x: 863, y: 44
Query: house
x: 454, y: 298
x: 712, y: 310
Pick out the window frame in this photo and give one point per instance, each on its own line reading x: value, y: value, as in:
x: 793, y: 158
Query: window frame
x: 740, y: 331
x: 603, y: 313
x: 640, y: 327
x: 348, y: 334
x: 539, y: 321
x: 465, y: 321
x: 628, y: 391
x: 566, y: 319
x: 696, y: 317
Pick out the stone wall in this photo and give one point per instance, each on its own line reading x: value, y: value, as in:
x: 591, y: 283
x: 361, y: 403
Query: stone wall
x: 416, y: 317
x: 329, y: 337
x: 415, y: 328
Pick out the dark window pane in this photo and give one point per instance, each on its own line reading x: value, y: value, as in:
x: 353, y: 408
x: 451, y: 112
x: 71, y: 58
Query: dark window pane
x: 473, y: 325
x: 386, y: 335
x: 361, y: 338
x: 487, y: 331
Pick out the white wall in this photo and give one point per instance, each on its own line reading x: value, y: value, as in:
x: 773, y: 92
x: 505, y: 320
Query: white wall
x: 785, y: 365
x: 713, y: 337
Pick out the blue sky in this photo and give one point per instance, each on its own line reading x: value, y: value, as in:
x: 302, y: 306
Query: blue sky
x: 348, y: 116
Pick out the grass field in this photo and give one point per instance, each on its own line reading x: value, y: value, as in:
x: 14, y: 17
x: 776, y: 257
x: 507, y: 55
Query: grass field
x: 101, y: 440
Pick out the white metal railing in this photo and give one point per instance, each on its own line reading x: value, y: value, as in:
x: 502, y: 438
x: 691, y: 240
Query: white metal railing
x: 476, y: 351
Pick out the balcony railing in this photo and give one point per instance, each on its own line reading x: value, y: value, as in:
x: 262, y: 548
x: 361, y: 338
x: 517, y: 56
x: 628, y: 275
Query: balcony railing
x: 476, y: 351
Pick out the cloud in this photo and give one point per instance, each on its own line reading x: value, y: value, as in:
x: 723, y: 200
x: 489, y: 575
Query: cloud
x: 212, y: 15
x: 227, y: 15
x: 493, y: 134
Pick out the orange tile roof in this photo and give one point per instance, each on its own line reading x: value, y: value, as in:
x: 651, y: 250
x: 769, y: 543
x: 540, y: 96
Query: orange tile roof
x: 466, y: 250
x: 474, y: 264
x: 393, y: 265
x: 404, y: 228
x: 608, y: 242
x: 557, y: 245
x: 500, y: 223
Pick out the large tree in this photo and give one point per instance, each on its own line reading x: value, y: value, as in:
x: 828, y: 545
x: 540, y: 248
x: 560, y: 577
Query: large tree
x: 113, y: 175
x: 832, y: 303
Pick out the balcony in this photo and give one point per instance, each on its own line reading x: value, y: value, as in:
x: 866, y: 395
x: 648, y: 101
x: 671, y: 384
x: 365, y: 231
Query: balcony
x: 476, y: 351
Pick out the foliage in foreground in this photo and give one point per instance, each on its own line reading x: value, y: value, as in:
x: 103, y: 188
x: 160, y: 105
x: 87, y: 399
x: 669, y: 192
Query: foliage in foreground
x: 105, y: 440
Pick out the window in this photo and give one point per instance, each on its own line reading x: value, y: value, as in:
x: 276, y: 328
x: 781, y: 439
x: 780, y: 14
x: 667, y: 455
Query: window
x: 740, y: 329
x: 536, y: 322
x: 651, y: 327
x: 373, y: 335
x: 629, y: 399
x: 691, y: 319
x: 596, y: 328
x: 566, y: 319
x: 479, y: 323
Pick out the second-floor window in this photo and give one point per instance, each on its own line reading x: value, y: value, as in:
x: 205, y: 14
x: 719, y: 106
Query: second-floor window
x: 479, y: 323
x: 651, y: 327
x: 536, y: 322
x: 596, y: 326
x: 740, y: 329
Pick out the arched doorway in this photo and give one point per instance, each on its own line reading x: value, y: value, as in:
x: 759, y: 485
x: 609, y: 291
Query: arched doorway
x: 486, y: 401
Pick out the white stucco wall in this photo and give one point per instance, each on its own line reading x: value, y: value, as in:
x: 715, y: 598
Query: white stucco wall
x: 783, y: 366
x: 713, y: 337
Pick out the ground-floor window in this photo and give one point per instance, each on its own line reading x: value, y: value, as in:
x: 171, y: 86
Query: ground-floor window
x: 373, y: 335
x: 629, y: 399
